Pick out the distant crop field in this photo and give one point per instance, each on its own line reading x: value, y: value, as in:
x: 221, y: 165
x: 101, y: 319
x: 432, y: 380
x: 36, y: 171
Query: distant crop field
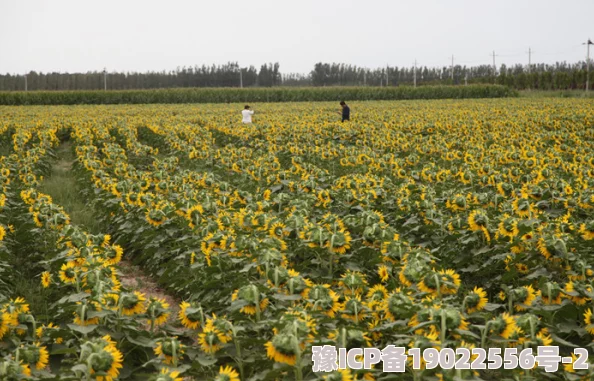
x: 426, y: 224
x: 229, y: 95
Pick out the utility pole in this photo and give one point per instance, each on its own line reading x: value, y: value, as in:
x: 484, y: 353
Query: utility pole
x: 25, y: 82
x: 415, y: 74
x: 529, y: 60
x: 494, y: 69
x: 387, y: 75
x: 452, y: 69
x: 105, y: 79
x: 466, y: 79
x: 240, y: 78
x: 588, y: 64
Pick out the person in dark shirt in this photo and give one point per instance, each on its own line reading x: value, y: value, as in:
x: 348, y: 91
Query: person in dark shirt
x: 346, y: 111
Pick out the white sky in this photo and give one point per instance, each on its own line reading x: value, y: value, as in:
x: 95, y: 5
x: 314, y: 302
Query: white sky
x: 133, y: 35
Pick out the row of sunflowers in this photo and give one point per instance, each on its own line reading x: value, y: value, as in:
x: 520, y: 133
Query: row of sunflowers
x: 441, y: 224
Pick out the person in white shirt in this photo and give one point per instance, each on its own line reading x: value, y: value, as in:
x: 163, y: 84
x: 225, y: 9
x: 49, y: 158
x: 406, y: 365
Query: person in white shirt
x: 247, y: 115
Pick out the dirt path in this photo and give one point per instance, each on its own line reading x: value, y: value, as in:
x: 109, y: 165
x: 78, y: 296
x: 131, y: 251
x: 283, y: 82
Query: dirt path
x: 134, y: 278
x: 62, y: 185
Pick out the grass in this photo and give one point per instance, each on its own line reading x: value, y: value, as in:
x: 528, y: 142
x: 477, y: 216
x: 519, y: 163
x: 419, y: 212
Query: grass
x: 62, y: 186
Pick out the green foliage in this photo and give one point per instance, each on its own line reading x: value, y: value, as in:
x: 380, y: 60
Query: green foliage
x: 235, y: 95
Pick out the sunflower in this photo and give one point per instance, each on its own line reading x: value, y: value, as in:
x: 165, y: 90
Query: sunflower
x: 340, y: 241
x: 383, y: 273
x: 41, y: 330
x: 577, y: 292
x: 588, y: 321
x: 524, y: 296
x: 375, y: 296
x: 114, y: 255
x: 476, y: 300
x: 281, y: 349
x: 190, y: 315
x: 6, y: 321
x: 103, y: 358
x: 399, y: 306
x: 46, y: 279
x: 277, y: 230
x: 551, y: 293
x: 353, y: 282
x: 158, y: 311
x: 227, y: 374
x: 155, y: 217
x: 587, y: 230
x: 167, y: 374
x: 2, y: 233
x: 569, y: 367
x: 543, y: 338
x: 81, y: 314
x: 353, y: 309
x: 457, y: 203
x: 194, y: 215
x: 221, y: 326
x: 132, y: 303
x: 68, y: 272
x: 170, y: 349
x: 209, y: 341
x: 251, y: 295
x: 522, y: 207
x: 321, y: 298
x: 339, y: 375
x: 35, y: 355
x: 296, y: 283
x: 508, y: 227
x: 504, y: 325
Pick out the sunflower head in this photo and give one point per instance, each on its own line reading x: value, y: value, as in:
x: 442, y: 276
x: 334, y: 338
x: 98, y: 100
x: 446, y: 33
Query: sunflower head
x: 227, y: 373
x: 102, y: 357
x: 191, y: 315
x: 476, y: 300
x: 167, y: 374
x: 169, y: 349
x: 283, y: 348
x: 35, y: 355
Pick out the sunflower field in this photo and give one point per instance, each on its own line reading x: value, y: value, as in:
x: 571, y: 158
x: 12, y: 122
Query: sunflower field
x: 420, y: 224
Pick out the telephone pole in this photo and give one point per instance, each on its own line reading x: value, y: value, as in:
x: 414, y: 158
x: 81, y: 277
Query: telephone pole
x: 415, y: 74
x: 452, y: 69
x: 365, y: 77
x: 240, y: 78
x: 529, y: 60
x: 588, y: 64
x: 494, y: 69
x: 25, y: 82
x: 105, y: 79
x: 387, y: 75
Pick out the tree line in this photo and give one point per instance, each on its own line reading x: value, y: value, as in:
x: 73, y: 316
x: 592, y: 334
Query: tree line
x: 558, y: 76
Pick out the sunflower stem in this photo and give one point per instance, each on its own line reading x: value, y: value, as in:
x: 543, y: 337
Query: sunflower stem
x: 90, y: 365
x: 239, y: 360
x: 173, y: 353
x: 152, y: 317
x: 257, y: 306
x: 484, y: 335
x: 532, y: 330
x: 438, y: 285
x: 443, y: 327
x: 298, y: 372
x: 511, y: 303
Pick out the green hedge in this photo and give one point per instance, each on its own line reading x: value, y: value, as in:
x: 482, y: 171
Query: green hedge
x: 234, y: 95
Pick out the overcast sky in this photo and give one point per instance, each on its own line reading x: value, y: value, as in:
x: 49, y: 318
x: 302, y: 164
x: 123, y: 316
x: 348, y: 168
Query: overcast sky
x: 134, y: 35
